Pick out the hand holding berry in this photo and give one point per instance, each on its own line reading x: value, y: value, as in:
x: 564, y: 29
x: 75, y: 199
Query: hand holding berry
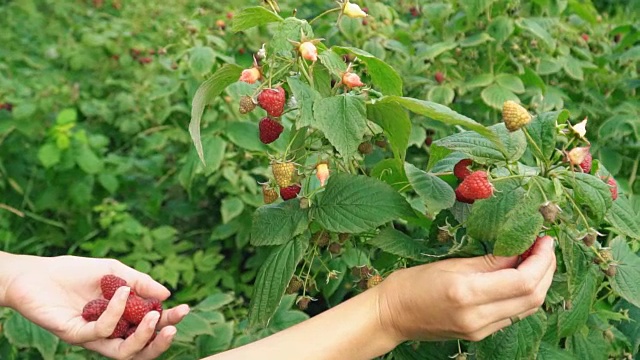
x: 52, y: 292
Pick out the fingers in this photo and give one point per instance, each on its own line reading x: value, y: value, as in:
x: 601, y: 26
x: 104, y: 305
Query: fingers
x: 496, y: 326
x: 174, y: 315
x: 105, y: 325
x: 142, y: 283
x: 486, y: 263
x: 136, y: 342
x: 159, y: 345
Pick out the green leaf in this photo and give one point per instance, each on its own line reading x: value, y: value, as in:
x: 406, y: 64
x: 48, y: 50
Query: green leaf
x: 542, y: 130
x: 590, y: 191
x: 501, y: 28
x: 333, y: 62
x: 214, y: 150
x: 291, y: 29
x: 67, y: 116
x: 394, y: 120
x: 212, y: 87
x: 531, y: 78
x: 87, y: 160
x: 476, y: 40
x: 442, y: 94
x: 201, y: 60
x: 348, y: 204
x: 552, y: 352
x: 538, y: 31
x: 382, y: 74
x: 548, y: 66
x: 276, y: 224
x: 495, y: 96
x: 482, y: 80
x: 22, y: 333
x: 510, y: 82
x: 251, y: 17
x: 518, y: 341
x: 583, y: 293
x: 573, y: 68
x: 231, y: 208
x: 49, y: 155
x: 631, y: 328
x: 245, y: 135
x: 487, y: 216
x: 191, y: 326
x: 391, y: 171
x: 623, y: 218
x: 343, y: 121
x: 481, y: 149
x: 305, y: 97
x: 397, y: 243
x: 434, y: 50
x: 441, y: 113
x: 625, y: 282
x: 587, y: 346
x: 272, y: 280
x: 631, y: 55
x: 218, y: 342
x: 520, y: 229
x: 434, y: 192
x: 215, y: 302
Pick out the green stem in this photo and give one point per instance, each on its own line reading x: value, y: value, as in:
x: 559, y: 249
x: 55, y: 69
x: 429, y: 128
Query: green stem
x: 535, y: 145
x: 323, y: 14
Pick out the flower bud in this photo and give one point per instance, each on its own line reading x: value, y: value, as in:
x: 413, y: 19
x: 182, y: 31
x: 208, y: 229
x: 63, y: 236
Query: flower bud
x: 250, y: 75
x: 308, y: 51
x: 351, y: 80
x: 353, y: 10
x: 322, y: 173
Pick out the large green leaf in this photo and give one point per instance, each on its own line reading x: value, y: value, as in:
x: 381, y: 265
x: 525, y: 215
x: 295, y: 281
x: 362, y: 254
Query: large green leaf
x: 343, y: 121
x: 626, y: 281
x: 272, y: 280
x: 253, y: 16
x: 291, y: 29
x: 353, y: 204
x: 394, y: 120
x: 542, y: 130
x: 398, y: 243
x: 22, y: 333
x: 623, y: 218
x: 512, y: 144
x: 382, y: 74
x: 549, y: 351
x: 333, y: 62
x: 276, y: 224
x: 201, y: 60
x: 212, y: 87
x: 488, y: 216
x: 631, y: 327
x: 305, y: 98
x: 592, y: 192
x: 591, y: 345
x: 495, y: 96
x: 582, y: 297
x: 443, y: 114
x: 510, y: 82
x: 518, y: 341
x: 244, y: 134
x: 433, y: 191
x: 538, y: 31
x: 520, y: 229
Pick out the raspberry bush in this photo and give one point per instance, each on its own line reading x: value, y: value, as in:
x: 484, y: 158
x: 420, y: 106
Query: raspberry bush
x: 382, y: 210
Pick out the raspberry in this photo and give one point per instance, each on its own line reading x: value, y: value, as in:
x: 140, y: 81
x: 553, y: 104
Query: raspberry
x: 343, y: 237
x: 439, y: 77
x: 589, y: 239
x: 321, y: 238
x: 135, y: 309
x: 109, y: 284
x: 514, y: 115
x: 365, y: 148
x: 461, y: 169
x: 578, y: 155
x: 290, y: 192
x: 606, y: 255
x: 308, y: 51
x: 133, y: 329
x: 611, y: 270
x: 613, y: 187
x: 351, y: 80
x: 361, y: 272
x: 549, y: 211
x: 270, y: 130
x: 121, y: 329
x: 269, y: 194
x: 246, y: 105
x: 303, y: 303
x: 335, y: 248
x: 154, y: 305
x: 295, y: 284
x: 322, y: 172
x: 250, y: 76
x: 374, y: 280
x: 476, y: 186
x: 272, y: 101
x: 585, y: 165
x: 283, y: 173
x: 94, y: 308
x: 461, y: 198
x: 528, y: 252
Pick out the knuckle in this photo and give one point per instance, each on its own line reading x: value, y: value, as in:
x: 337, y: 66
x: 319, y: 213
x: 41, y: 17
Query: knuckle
x: 527, y: 287
x: 475, y: 337
x: 466, y: 325
x: 458, y: 295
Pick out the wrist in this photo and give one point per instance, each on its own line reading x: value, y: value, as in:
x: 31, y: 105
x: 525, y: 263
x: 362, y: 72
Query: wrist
x: 385, y: 313
x: 7, y: 273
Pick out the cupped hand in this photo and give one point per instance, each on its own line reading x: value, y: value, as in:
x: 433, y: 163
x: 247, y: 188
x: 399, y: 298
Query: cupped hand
x: 465, y: 298
x: 51, y: 292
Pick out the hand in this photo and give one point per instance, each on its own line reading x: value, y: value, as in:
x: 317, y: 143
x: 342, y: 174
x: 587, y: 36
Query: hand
x: 51, y: 292
x: 465, y: 298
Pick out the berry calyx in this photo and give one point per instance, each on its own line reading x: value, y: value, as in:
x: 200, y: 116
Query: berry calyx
x: 290, y: 192
x: 461, y: 169
x: 272, y: 101
x: 475, y: 186
x: 514, y: 115
x: 270, y: 130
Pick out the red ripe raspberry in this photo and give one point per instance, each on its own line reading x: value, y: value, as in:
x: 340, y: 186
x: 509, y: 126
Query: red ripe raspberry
x: 94, y: 308
x: 439, y: 77
x: 613, y: 186
x: 476, y: 186
x: 121, y: 330
x: 528, y: 252
x: 290, y: 192
x: 109, y: 284
x: 270, y: 130
x: 585, y: 165
x: 272, y: 101
x: 462, y: 199
x: 135, y: 309
x: 154, y: 305
x: 461, y: 170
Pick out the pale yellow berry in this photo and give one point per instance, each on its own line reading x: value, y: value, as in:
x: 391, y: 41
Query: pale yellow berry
x: 514, y: 115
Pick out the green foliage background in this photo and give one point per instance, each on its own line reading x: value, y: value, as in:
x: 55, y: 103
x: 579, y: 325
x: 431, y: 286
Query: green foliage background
x: 96, y: 158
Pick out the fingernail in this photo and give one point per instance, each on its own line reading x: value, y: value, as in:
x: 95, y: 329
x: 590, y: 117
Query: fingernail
x: 153, y: 321
x: 171, y: 331
x: 124, y: 292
